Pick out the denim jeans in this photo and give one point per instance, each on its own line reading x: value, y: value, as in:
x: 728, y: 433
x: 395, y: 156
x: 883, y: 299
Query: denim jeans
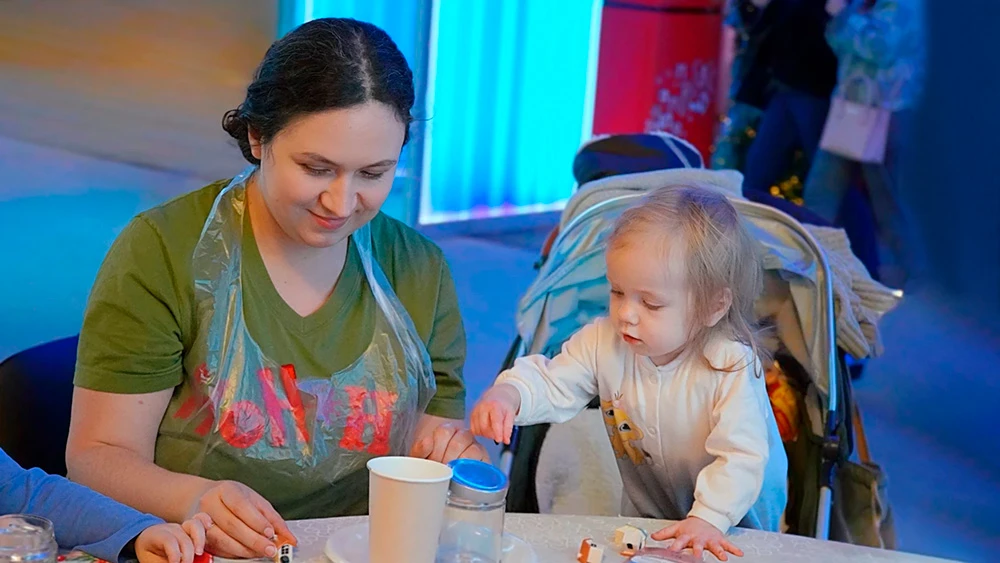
x: 830, y: 179
x: 792, y: 120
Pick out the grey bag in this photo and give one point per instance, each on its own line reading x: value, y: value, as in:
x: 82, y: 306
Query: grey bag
x: 861, y: 513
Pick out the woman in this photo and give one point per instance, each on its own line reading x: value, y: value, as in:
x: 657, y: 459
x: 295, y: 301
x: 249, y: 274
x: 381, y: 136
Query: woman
x: 879, y: 41
x: 249, y: 346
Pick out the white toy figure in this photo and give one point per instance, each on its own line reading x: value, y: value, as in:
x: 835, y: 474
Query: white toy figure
x: 630, y: 539
x: 284, y: 554
x: 590, y: 552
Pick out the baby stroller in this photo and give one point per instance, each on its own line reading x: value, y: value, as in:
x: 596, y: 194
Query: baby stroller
x: 571, y: 290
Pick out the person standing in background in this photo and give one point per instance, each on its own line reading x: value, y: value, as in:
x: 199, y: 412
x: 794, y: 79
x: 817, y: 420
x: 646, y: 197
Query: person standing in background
x: 741, y: 120
x: 791, y: 78
x: 879, y: 44
x: 784, y: 76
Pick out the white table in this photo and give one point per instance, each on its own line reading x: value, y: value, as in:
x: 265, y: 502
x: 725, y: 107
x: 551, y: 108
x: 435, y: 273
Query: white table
x: 556, y: 539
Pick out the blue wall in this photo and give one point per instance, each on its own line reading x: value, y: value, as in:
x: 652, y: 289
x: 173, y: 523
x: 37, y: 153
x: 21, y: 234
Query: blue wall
x: 952, y: 180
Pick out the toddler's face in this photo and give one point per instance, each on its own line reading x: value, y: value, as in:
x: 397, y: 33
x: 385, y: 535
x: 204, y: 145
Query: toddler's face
x: 650, y: 299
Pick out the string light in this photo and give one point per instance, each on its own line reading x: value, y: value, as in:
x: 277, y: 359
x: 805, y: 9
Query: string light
x: 730, y: 151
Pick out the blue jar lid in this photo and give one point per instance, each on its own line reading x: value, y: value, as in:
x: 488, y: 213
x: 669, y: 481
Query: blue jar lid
x: 477, y: 482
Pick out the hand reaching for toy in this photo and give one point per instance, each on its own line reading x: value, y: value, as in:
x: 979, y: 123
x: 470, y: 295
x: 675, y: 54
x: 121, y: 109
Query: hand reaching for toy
x: 172, y: 543
x: 493, y: 416
x: 699, y: 535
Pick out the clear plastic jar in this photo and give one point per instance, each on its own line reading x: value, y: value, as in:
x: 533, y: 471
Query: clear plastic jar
x: 473, y: 516
x: 27, y: 539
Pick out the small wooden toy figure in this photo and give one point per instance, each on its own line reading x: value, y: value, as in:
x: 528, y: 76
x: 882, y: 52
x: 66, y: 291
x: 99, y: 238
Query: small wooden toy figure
x: 284, y: 554
x: 285, y: 549
x: 630, y: 540
x: 590, y: 552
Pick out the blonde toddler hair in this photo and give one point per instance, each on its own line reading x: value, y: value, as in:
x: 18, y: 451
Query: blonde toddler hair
x: 720, y: 254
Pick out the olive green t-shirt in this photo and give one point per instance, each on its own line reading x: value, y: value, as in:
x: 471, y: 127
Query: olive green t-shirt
x: 141, y: 322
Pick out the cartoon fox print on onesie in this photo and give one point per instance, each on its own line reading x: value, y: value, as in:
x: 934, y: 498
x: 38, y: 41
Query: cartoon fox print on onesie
x: 625, y: 436
x: 608, y: 412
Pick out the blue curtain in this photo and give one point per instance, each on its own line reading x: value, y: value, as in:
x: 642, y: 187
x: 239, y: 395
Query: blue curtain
x: 510, y: 105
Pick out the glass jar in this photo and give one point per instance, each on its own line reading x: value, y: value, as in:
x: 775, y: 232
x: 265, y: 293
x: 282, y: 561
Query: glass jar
x: 473, y: 516
x: 27, y: 539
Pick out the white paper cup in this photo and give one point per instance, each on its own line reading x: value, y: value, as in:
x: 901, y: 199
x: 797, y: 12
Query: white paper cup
x: 406, y: 499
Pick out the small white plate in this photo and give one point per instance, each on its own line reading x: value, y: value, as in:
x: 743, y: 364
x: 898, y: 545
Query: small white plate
x: 350, y: 545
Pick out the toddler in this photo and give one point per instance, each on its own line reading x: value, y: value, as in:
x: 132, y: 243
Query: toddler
x: 677, y: 367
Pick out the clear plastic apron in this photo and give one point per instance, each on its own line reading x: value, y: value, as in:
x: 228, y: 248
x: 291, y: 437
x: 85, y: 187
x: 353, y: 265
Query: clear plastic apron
x: 254, y: 409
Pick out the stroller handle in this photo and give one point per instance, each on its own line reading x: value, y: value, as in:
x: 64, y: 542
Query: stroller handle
x: 828, y: 346
x: 826, y: 320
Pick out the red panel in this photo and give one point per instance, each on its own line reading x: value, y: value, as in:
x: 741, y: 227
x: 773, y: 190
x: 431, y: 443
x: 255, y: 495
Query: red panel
x: 658, y: 68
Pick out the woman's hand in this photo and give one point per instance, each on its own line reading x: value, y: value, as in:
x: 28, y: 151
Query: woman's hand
x: 245, y: 524
x: 447, y: 441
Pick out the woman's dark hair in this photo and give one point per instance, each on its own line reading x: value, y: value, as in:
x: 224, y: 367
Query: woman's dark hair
x: 324, y: 64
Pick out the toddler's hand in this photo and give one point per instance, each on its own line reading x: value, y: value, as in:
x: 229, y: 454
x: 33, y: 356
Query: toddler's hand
x: 172, y: 543
x: 493, y: 416
x: 700, y: 535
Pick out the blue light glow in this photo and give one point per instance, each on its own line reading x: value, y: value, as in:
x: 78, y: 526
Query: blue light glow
x: 512, y: 86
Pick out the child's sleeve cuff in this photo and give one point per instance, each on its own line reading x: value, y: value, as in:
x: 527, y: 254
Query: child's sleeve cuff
x: 717, y: 519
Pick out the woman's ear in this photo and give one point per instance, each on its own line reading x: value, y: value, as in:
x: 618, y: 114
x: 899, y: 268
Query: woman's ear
x: 256, y: 149
x: 720, y: 306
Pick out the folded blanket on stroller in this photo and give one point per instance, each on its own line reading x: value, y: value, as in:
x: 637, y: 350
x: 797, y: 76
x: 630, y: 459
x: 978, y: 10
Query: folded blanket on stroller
x: 860, y: 301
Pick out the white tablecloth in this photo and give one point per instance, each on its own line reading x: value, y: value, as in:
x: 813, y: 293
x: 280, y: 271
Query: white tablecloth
x: 556, y: 539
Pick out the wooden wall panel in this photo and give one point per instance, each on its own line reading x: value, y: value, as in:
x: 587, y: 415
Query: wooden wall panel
x: 141, y: 81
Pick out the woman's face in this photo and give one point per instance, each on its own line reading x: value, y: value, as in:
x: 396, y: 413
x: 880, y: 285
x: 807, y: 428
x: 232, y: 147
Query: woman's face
x: 326, y: 174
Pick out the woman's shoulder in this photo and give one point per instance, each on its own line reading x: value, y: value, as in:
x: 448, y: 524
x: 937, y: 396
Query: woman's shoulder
x: 419, y: 274
x: 174, y: 226
x: 186, y: 213
x: 163, y: 238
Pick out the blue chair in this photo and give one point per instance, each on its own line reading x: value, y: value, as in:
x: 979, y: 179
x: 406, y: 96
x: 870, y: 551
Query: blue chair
x: 36, y: 396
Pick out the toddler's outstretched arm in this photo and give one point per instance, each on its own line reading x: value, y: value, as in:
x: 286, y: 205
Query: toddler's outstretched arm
x: 537, y: 389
